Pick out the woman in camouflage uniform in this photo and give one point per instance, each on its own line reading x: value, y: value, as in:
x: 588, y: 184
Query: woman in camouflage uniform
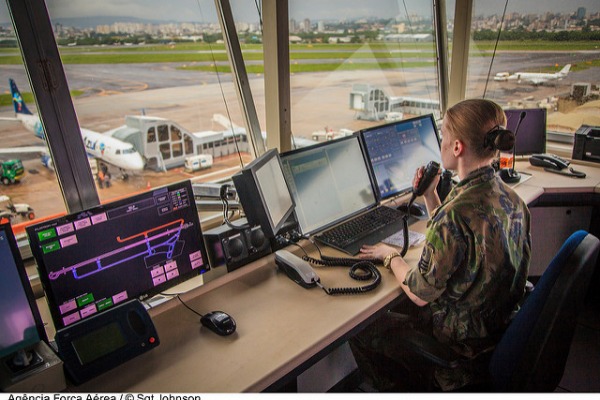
x: 474, y: 264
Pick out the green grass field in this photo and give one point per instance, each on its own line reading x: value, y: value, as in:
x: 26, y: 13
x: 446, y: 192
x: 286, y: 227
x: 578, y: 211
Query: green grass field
x: 6, y: 98
x: 385, y: 53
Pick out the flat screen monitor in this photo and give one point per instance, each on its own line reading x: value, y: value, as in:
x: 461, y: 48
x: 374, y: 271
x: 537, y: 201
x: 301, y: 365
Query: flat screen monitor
x: 531, y: 136
x: 264, y: 193
x: 329, y: 182
x: 20, y: 324
x: 397, y: 149
x: 131, y: 248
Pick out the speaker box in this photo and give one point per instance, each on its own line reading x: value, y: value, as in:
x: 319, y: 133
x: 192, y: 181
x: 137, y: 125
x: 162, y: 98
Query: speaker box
x: 236, y: 247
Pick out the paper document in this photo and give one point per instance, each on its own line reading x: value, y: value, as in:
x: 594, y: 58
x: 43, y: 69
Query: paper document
x: 397, y: 239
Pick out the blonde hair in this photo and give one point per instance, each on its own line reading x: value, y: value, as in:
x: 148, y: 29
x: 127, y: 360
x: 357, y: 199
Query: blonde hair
x: 480, y: 124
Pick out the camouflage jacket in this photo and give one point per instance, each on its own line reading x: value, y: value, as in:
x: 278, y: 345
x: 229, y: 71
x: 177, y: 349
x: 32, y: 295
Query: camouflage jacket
x: 475, y: 260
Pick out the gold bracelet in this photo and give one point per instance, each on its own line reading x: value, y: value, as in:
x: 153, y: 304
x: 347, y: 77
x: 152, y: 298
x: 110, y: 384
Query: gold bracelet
x: 387, y: 261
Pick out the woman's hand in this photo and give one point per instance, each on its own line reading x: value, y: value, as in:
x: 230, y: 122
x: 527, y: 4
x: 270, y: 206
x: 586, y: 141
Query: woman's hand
x: 378, y: 252
x: 429, y: 191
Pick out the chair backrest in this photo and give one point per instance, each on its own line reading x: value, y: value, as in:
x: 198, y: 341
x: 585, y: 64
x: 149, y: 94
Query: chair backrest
x: 532, y: 353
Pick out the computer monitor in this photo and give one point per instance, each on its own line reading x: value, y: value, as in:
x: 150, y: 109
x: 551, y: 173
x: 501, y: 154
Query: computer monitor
x: 20, y: 323
x: 531, y: 136
x: 264, y: 193
x: 329, y: 182
x: 131, y: 248
x: 397, y: 149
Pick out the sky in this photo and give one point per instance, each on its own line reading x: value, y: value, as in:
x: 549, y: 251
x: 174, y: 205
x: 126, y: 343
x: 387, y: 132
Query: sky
x: 245, y: 10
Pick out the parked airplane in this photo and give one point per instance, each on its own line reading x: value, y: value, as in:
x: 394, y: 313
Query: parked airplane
x: 108, y: 149
x: 535, y: 78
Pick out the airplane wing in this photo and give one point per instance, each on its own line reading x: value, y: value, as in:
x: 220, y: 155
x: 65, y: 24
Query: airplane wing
x: 42, y: 151
x: 25, y: 149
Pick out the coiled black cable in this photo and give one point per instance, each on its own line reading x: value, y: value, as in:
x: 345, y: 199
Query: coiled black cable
x: 360, y: 270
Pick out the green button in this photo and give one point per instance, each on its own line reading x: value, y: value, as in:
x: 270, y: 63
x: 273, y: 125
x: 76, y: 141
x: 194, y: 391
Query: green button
x: 47, y: 234
x: 50, y: 247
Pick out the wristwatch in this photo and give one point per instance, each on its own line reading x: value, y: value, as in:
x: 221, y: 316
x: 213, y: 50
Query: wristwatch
x: 387, y: 261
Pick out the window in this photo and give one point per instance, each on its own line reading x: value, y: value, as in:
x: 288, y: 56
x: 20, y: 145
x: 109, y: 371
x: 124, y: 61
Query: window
x: 177, y: 149
x: 537, y: 41
x: 151, y: 137
x: 164, y: 73
x: 163, y: 133
x: 37, y: 184
x: 352, y: 62
x: 175, y: 133
x: 165, y: 151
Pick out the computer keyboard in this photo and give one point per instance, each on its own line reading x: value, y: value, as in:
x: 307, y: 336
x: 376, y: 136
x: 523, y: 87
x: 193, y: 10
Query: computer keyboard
x: 370, y: 227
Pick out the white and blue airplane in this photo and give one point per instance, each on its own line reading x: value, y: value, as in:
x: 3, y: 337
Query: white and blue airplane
x: 103, y: 147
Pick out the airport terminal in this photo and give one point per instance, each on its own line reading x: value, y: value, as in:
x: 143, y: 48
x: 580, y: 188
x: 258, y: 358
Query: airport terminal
x: 252, y: 282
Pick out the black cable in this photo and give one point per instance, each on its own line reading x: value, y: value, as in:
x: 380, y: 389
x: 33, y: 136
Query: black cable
x: 223, y: 195
x: 258, y: 10
x: 177, y: 295
x: 495, y: 47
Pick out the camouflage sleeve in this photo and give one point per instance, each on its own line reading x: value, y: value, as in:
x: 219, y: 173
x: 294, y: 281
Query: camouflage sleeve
x: 444, y: 251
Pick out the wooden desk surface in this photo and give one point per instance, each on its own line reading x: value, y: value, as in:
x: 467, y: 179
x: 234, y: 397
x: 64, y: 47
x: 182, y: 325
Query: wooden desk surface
x: 280, y: 324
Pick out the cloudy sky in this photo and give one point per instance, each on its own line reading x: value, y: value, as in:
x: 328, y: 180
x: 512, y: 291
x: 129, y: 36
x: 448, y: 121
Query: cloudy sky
x: 186, y: 10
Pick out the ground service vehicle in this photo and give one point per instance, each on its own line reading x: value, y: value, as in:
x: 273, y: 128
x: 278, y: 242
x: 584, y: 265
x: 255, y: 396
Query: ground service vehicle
x: 11, y: 171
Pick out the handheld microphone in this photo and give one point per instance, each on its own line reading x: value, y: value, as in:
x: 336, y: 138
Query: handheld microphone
x: 510, y: 175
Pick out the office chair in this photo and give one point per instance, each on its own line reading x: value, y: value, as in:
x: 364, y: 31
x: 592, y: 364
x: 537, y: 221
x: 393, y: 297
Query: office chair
x: 532, y: 353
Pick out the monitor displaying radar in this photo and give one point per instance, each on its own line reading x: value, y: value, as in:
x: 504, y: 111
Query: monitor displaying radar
x: 131, y: 248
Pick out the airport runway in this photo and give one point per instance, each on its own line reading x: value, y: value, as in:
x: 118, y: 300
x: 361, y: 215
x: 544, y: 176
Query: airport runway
x: 190, y: 98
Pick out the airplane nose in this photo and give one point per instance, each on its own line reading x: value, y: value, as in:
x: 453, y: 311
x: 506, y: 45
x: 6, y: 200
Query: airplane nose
x: 138, y: 162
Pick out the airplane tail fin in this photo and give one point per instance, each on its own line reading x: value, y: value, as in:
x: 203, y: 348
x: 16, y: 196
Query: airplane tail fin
x: 18, y: 102
x: 565, y: 70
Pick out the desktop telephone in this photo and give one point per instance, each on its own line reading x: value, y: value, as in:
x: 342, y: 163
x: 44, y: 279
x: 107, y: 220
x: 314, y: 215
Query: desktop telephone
x: 548, y: 161
x: 555, y: 164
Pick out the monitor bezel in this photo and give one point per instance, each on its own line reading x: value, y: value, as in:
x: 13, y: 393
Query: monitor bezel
x: 362, y: 132
x: 518, y: 111
x: 272, y: 228
x: 6, y: 227
x: 43, y: 269
x: 316, y: 147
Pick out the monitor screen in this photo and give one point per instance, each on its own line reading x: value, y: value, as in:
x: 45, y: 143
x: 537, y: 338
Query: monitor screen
x: 397, y: 149
x: 20, y: 321
x: 531, y: 136
x: 131, y: 248
x: 264, y: 193
x: 329, y: 182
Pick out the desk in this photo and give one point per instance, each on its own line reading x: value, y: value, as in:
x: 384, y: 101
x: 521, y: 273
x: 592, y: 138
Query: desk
x: 281, y: 326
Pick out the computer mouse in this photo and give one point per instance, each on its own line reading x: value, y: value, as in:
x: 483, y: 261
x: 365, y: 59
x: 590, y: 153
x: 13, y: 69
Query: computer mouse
x: 415, y: 209
x: 219, y: 322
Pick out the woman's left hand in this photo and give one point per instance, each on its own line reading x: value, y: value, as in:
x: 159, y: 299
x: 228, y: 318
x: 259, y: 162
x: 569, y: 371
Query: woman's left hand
x: 378, y: 252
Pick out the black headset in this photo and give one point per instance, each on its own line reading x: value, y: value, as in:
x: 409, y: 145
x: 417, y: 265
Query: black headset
x: 499, y: 138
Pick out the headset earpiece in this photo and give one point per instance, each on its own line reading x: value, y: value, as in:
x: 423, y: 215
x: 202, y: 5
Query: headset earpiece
x: 499, y: 138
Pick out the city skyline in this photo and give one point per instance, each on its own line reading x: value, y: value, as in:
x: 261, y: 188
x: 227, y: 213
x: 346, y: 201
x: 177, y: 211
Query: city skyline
x: 203, y: 10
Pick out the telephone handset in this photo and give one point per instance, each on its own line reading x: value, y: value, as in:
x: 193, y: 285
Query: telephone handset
x: 296, y: 269
x: 550, y: 161
x: 300, y: 271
